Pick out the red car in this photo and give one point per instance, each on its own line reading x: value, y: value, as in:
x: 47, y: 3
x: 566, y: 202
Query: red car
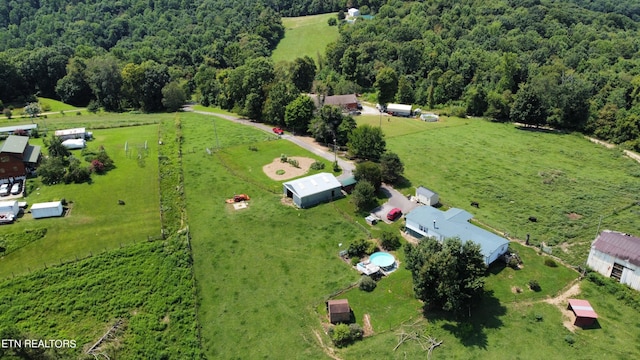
x: 278, y: 131
x: 394, y: 214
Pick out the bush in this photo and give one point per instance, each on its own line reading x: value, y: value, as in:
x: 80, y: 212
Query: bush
x: 318, y: 165
x: 569, y: 339
x: 336, y: 167
x: 390, y: 240
x: 340, y: 335
x: 514, y: 263
x: 283, y: 158
x: 356, y: 331
x: 7, y: 112
x: 357, y: 248
x: 252, y: 148
x: 534, y: 285
x: 293, y: 162
x: 93, y: 107
x: 367, y: 284
x: 332, y: 21
x: 355, y: 260
x: 550, y: 262
x: 538, y: 317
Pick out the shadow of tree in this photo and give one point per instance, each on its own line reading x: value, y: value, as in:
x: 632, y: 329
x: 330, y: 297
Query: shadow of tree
x: 471, y: 330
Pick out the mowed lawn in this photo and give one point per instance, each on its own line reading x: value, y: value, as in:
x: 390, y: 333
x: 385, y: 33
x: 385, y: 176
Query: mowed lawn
x: 95, y: 221
x: 305, y: 36
x: 261, y: 272
x: 570, y: 185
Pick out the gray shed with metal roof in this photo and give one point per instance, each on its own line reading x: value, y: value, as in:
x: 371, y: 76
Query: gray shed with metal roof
x: 311, y: 190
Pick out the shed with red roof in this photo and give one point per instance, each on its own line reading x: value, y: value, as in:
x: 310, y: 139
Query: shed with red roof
x: 585, y: 315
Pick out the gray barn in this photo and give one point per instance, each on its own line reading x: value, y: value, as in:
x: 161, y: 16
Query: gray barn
x: 312, y: 190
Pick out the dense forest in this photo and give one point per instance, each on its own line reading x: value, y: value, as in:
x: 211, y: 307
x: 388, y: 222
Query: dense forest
x: 572, y: 64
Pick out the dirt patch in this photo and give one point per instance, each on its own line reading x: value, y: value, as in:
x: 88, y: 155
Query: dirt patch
x: 561, y: 302
x: 574, y: 216
x: 368, y: 329
x: 290, y: 171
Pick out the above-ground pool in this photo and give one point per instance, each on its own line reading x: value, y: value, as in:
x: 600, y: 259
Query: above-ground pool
x: 382, y: 259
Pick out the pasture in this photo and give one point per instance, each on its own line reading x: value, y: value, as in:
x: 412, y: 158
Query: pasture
x: 572, y: 186
x: 305, y: 36
x: 93, y: 210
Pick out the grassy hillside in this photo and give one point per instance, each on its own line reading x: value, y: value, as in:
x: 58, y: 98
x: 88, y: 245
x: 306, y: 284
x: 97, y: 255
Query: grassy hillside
x: 568, y: 183
x: 93, y: 211
x: 305, y: 35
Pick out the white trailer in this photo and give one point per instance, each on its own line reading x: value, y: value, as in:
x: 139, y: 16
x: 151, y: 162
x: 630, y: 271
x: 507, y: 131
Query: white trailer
x: 10, y: 206
x: 47, y: 209
x: 72, y: 144
x: 399, y: 109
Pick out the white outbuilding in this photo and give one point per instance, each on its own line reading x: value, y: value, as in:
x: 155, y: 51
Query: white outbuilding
x: 399, y: 109
x: 353, y: 12
x: 10, y: 206
x: 312, y: 190
x: 47, y: 209
x: 72, y: 144
x: 426, y: 196
x: 616, y: 255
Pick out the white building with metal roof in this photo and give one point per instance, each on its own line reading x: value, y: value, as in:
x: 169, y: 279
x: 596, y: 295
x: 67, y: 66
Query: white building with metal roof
x: 314, y: 189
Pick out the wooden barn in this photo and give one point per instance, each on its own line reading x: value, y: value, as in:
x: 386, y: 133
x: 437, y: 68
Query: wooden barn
x: 17, y: 157
x: 616, y: 255
x: 339, y: 311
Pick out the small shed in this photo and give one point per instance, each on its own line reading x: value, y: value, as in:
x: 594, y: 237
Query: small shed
x: 348, y: 184
x: 616, y: 255
x: 339, y: 311
x: 47, y: 209
x: 312, y: 190
x: 10, y: 206
x: 353, y: 12
x: 585, y: 315
x: 426, y: 196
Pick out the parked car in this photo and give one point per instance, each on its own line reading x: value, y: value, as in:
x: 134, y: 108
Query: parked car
x: 278, y: 131
x: 16, y: 188
x: 394, y: 214
x: 4, y: 189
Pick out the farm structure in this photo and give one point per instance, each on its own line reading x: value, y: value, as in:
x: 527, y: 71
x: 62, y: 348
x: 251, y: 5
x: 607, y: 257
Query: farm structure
x: 311, y: 190
x: 77, y: 133
x: 426, y: 196
x: 399, y: 109
x: 339, y: 311
x: 347, y: 102
x: 616, y: 255
x: 73, y: 144
x: 12, y: 207
x: 585, y: 315
x: 427, y: 221
x: 11, y: 130
x: 348, y: 184
x: 47, y: 209
x: 17, y: 156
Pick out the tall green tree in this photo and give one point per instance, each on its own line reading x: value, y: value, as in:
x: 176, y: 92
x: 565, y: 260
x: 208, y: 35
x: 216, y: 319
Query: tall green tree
x: 173, y: 96
x: 105, y: 80
x: 280, y: 94
x: 363, y: 196
x: 367, y: 142
x: 392, y: 167
x: 370, y: 172
x: 73, y: 87
x: 299, y: 113
x: 386, y: 85
x: 447, y: 275
x: 303, y: 72
x: 56, y: 149
x: 529, y: 107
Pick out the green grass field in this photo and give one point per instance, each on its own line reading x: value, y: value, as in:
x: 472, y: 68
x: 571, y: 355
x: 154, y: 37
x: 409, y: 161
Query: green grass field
x: 94, y: 212
x: 565, y: 181
x: 305, y: 36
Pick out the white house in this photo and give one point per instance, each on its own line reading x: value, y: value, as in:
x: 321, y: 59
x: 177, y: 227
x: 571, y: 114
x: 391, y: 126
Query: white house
x: 399, y: 109
x: 47, y: 209
x: 353, y: 12
x: 616, y: 255
x: 426, y: 196
x: 427, y: 221
x: 312, y: 190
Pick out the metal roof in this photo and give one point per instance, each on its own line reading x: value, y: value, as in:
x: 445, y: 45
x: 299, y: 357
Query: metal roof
x: 18, y: 127
x: 46, y: 205
x: 75, y: 131
x: 15, y: 144
x: 31, y: 154
x: 455, y: 223
x: 421, y: 190
x: 313, y: 184
x: 620, y: 245
x: 351, y: 180
x: 401, y: 107
x: 339, y: 100
x: 582, y: 308
x: 339, y: 306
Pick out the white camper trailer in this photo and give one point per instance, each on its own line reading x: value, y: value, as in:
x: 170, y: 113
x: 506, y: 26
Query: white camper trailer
x: 45, y: 210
